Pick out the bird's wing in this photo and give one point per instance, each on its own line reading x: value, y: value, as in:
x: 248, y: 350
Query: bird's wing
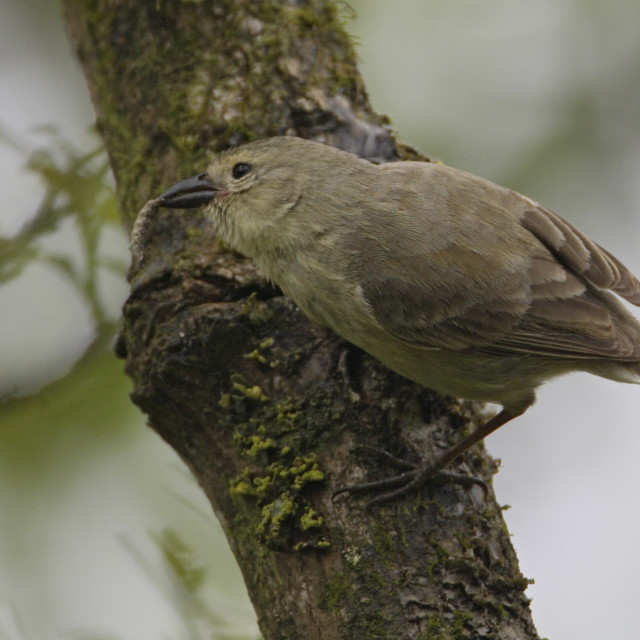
x: 503, y: 274
x: 579, y: 253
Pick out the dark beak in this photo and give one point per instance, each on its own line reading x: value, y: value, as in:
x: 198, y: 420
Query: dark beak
x: 191, y: 192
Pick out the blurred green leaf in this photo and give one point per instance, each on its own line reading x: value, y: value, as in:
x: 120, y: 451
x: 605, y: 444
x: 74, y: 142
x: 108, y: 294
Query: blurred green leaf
x: 180, y: 558
x: 182, y: 584
x: 77, y: 187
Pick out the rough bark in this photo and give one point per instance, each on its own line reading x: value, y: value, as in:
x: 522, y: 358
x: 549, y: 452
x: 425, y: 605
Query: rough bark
x: 266, y: 408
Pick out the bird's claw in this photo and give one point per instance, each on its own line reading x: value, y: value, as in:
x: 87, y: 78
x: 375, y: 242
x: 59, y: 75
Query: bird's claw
x: 413, y: 477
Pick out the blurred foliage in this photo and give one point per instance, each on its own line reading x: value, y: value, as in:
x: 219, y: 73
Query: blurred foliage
x: 182, y: 581
x: 203, y: 621
x: 78, y: 441
x: 77, y: 187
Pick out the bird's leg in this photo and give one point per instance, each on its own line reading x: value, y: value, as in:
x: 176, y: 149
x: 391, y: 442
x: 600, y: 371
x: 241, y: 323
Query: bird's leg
x: 414, y: 476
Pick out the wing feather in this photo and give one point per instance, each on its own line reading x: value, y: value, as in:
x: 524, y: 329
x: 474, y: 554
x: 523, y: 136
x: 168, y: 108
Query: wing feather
x: 579, y: 253
x: 540, y: 288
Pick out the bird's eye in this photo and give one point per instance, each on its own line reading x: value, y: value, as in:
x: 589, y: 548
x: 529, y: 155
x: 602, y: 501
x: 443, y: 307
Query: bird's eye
x: 240, y: 169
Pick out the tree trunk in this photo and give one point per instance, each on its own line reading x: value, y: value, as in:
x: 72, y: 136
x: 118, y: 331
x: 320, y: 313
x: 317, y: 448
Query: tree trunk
x: 266, y: 408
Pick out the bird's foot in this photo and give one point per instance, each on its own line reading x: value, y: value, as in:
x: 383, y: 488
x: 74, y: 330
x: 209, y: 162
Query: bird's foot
x: 413, y: 477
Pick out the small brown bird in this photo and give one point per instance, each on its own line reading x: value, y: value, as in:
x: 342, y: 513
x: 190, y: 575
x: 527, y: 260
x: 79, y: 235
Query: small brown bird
x: 452, y: 281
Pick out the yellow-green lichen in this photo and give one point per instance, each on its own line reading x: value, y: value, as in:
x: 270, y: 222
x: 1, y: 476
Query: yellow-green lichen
x: 253, y: 393
x: 302, y: 471
x: 254, y: 445
x: 257, y: 311
x: 280, y: 474
x: 274, y: 514
x: 258, y: 354
x: 320, y: 544
x: 310, y: 519
x: 241, y: 488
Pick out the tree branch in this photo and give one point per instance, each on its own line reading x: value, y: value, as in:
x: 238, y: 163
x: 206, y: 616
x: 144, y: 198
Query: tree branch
x: 266, y: 408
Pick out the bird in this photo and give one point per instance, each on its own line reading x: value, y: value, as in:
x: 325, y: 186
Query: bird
x: 452, y: 281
